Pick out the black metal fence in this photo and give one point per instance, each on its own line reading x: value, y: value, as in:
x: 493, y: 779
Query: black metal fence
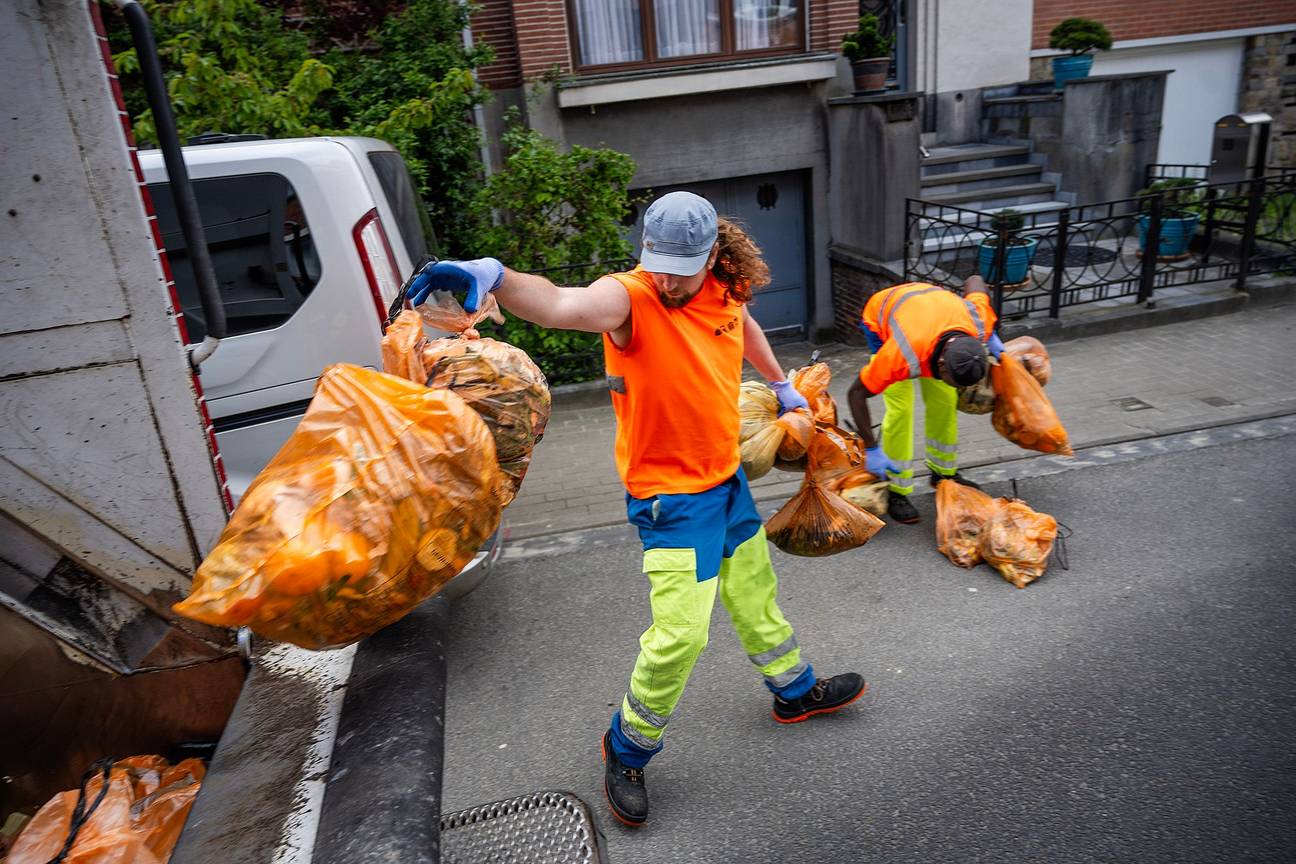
x: 1040, y: 263
x: 573, y: 366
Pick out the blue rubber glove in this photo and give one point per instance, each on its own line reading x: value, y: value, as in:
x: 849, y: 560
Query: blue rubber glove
x: 995, y: 344
x: 878, y: 464
x: 470, y: 280
x: 789, y: 398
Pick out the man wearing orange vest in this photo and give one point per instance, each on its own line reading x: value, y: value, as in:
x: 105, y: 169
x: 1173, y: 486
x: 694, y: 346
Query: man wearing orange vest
x: 676, y: 331
x: 921, y: 331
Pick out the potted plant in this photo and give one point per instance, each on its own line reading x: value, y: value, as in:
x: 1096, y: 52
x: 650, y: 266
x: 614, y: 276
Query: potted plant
x: 869, y: 53
x: 1079, y: 36
x: 1018, y: 255
x: 1180, y: 213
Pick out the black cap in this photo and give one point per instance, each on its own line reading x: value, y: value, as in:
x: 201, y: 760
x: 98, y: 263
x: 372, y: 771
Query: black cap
x: 965, y: 358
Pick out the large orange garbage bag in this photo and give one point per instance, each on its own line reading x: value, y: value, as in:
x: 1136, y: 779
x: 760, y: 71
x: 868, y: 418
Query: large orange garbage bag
x: 817, y: 521
x: 499, y: 381
x: 961, y: 515
x: 383, y: 493
x: 1017, y: 540
x: 1022, y: 413
x: 138, y: 821
x: 1033, y: 355
x: 763, y: 435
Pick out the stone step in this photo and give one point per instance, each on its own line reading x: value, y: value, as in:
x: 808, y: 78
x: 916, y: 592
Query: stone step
x: 984, y: 178
x: 971, y: 152
x: 998, y: 197
x: 1040, y: 214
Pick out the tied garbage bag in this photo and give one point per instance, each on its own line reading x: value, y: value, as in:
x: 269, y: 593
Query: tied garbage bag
x: 812, y: 382
x: 383, y: 493
x: 443, y: 311
x: 961, y: 515
x: 863, y: 489
x: 499, y: 381
x: 1033, y: 355
x: 1017, y: 540
x: 978, y: 398
x: 817, y: 521
x: 763, y: 435
x: 137, y: 821
x: 1022, y: 413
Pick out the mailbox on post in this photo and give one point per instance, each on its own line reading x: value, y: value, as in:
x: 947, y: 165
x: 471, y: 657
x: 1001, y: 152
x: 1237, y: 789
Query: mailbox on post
x: 1240, y: 147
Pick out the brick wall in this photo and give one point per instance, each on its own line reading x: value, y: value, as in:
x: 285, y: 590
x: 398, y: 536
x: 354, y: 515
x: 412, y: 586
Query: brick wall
x: 1153, y: 18
x: 1269, y: 85
x: 493, y: 24
x: 829, y: 21
x: 855, y: 278
x: 541, y: 32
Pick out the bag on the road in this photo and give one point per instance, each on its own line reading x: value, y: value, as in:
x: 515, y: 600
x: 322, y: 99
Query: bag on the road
x: 978, y: 398
x: 817, y: 521
x: 1033, y: 355
x: 138, y: 820
x: 1022, y: 413
x: 763, y: 435
x: 499, y: 381
x: 961, y: 516
x: 1017, y: 540
x: 383, y: 493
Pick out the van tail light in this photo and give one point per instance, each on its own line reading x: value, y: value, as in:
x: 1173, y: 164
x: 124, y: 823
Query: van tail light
x: 379, y: 262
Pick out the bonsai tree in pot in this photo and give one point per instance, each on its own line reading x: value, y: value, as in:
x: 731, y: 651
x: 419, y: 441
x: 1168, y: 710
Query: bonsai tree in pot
x: 1079, y: 36
x: 1018, y: 254
x: 869, y: 53
x: 1181, y: 208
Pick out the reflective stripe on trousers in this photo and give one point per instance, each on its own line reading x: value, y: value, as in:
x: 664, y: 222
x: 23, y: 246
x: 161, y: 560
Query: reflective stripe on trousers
x: 940, y: 402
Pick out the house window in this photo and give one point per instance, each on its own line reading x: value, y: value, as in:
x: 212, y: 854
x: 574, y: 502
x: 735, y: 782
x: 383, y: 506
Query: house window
x: 640, y: 32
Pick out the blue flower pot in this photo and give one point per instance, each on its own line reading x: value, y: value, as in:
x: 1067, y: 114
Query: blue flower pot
x: 1069, y: 68
x: 1017, y: 261
x: 1176, y: 234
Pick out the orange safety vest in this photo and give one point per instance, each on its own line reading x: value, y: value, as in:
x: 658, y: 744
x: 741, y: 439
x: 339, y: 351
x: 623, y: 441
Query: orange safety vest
x: 675, y: 390
x: 910, y: 319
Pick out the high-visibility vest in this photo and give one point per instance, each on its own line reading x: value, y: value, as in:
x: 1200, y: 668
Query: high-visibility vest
x: 910, y: 319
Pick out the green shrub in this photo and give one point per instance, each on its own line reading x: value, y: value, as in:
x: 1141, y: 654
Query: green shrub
x: 1182, y: 196
x: 867, y: 42
x: 1080, y: 36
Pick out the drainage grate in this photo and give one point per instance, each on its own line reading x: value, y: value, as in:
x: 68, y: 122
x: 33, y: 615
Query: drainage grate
x: 1130, y: 403
x: 1218, y: 401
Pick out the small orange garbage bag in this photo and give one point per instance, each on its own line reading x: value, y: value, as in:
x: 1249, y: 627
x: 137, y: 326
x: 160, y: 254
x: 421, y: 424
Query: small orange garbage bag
x: 383, y: 493
x: 1033, y: 355
x: 812, y: 382
x: 1022, y: 413
x: 763, y: 435
x: 1017, y: 540
x: 817, y: 521
x: 961, y: 515
x: 127, y: 826
x: 499, y: 381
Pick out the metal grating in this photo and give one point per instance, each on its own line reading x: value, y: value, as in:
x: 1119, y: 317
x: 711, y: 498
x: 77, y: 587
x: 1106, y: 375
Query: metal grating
x: 542, y: 828
x: 1218, y: 401
x: 1130, y: 403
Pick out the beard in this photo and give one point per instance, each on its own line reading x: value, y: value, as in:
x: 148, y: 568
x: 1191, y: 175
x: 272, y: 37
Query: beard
x: 672, y: 301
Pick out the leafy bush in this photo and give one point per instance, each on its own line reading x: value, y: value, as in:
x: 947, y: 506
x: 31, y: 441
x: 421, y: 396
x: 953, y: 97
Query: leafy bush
x: 867, y: 42
x: 1182, y: 196
x: 1080, y: 36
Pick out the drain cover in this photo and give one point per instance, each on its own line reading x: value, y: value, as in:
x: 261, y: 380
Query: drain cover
x: 1130, y: 403
x: 1218, y: 401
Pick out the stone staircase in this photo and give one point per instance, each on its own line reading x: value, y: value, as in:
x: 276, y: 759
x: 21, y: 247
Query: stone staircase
x: 989, y: 177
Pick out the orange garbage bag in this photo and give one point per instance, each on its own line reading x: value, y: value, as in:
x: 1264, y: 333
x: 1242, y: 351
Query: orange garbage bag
x: 499, y: 381
x: 383, y: 493
x: 1033, y: 355
x: 1017, y: 540
x: 444, y: 312
x: 127, y: 826
x: 961, y: 515
x: 763, y: 435
x: 863, y: 489
x: 812, y: 382
x: 1022, y: 413
x: 817, y: 521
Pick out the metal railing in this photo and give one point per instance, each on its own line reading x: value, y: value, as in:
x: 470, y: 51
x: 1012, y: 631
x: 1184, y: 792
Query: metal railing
x: 1094, y: 253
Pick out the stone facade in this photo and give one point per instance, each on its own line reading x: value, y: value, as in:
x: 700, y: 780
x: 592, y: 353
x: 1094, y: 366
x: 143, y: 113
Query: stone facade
x: 1269, y: 85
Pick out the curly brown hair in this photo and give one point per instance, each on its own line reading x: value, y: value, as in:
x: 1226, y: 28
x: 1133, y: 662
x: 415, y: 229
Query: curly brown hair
x: 739, y: 266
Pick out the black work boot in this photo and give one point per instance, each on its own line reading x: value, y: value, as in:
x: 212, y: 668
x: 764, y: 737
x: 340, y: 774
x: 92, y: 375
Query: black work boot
x: 956, y: 477
x: 826, y: 696
x: 899, y: 509
x: 624, y: 787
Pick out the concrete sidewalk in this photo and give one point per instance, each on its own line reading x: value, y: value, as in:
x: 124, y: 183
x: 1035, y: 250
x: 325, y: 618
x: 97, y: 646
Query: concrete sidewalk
x: 1184, y: 376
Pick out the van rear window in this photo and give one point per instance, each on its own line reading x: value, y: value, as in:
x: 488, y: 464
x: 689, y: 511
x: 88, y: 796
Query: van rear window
x: 261, y: 247
x: 411, y: 216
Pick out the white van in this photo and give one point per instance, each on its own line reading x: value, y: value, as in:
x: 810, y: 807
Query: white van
x: 311, y: 239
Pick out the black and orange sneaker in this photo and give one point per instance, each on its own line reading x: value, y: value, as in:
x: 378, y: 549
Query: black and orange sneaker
x: 624, y: 787
x: 901, y: 510
x: 826, y: 696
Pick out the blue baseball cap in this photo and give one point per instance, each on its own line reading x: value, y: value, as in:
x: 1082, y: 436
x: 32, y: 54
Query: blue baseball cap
x: 679, y: 231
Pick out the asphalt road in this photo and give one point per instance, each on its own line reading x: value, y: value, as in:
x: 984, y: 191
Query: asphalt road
x: 1140, y: 706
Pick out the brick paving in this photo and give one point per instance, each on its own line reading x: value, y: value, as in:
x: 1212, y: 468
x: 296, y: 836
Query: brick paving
x: 1193, y: 374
